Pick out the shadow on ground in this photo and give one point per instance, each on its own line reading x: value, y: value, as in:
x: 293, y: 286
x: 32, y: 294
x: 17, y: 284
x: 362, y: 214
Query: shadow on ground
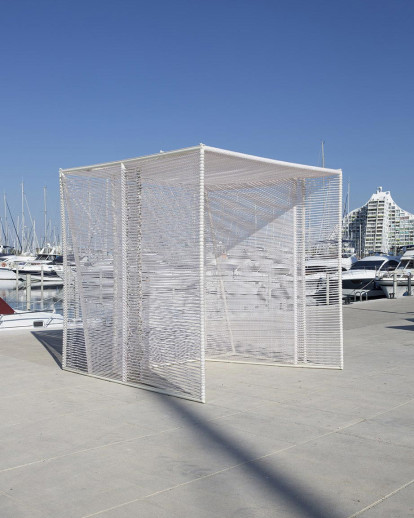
x: 285, y: 490
x: 406, y: 327
x: 358, y: 308
x: 52, y: 341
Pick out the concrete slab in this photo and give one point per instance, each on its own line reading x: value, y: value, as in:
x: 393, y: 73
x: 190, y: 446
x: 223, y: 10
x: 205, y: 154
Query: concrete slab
x: 393, y: 427
x: 397, y: 505
x: 10, y: 508
x: 347, y: 472
x: 271, y: 441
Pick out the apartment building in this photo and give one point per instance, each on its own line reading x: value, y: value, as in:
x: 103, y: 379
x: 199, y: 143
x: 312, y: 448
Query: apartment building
x: 379, y: 226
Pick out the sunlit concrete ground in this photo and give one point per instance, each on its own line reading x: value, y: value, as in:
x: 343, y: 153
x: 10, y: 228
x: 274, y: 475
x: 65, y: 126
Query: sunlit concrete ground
x: 270, y: 442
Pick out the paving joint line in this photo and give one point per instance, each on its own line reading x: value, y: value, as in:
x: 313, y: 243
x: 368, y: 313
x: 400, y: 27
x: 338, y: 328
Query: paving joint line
x: 277, y: 452
x: 77, y: 452
x: 379, y: 501
x: 224, y: 470
x: 349, y: 425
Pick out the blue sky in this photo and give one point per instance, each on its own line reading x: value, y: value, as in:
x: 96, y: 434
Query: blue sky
x: 97, y: 80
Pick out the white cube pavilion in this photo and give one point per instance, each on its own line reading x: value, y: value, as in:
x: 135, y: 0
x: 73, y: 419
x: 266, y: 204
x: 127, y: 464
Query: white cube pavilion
x: 201, y: 253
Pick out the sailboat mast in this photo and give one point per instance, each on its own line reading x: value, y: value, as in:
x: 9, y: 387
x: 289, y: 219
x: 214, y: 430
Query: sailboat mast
x: 22, y: 223
x: 5, y: 219
x: 45, y: 214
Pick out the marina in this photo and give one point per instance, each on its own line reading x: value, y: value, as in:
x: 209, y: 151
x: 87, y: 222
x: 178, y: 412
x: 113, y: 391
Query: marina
x: 207, y: 260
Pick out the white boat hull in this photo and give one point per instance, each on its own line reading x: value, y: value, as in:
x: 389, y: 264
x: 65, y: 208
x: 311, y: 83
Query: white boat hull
x: 387, y: 286
x: 366, y: 292
x: 48, y: 282
x: 31, y: 319
x: 7, y: 275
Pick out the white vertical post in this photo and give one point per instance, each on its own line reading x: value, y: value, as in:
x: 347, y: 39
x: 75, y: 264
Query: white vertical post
x: 41, y: 286
x: 124, y: 244
x: 28, y: 291
x: 341, y: 334
x: 303, y: 268
x: 65, y: 271
x: 100, y: 287
x: 295, y: 282
x: 202, y: 281
x: 269, y: 290
x: 394, y: 284
x: 17, y: 281
x: 327, y: 289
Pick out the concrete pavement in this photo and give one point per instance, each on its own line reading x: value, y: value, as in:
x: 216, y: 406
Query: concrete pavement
x: 270, y: 442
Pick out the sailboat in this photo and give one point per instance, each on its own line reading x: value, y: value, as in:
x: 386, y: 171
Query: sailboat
x: 15, y: 319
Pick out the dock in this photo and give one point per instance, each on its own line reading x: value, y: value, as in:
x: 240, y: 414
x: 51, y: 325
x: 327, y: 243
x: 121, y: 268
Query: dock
x: 270, y: 441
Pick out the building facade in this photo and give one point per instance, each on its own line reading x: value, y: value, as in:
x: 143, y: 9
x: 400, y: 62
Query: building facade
x: 379, y: 226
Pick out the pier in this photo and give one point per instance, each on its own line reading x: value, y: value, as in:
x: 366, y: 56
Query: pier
x: 270, y: 441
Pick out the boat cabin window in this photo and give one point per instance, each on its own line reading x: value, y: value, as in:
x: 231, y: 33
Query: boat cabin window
x: 390, y: 265
x: 368, y: 265
x: 409, y: 264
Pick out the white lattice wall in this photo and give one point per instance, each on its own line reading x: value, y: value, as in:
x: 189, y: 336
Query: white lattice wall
x: 199, y: 252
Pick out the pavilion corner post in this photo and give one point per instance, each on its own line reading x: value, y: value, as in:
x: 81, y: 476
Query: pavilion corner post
x: 65, y: 269
x: 341, y: 332
x: 295, y: 280
x: 124, y: 273
x: 202, y: 276
x: 301, y: 244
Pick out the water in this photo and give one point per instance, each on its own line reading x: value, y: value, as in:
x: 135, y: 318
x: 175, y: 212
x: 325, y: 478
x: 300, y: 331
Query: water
x: 52, y: 297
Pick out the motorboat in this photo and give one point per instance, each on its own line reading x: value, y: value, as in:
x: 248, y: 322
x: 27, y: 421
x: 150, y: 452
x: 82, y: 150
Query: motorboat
x: 28, y: 263
x: 45, y: 268
x: 44, y: 255
x: 396, y: 284
x: 348, y: 259
x: 359, y: 280
x: 8, y: 275
x: 7, y: 262
x: 15, y: 319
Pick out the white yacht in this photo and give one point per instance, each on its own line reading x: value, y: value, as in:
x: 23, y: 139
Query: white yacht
x: 404, y: 270
x: 8, y: 275
x: 360, y: 278
x: 48, y: 264
x: 348, y: 259
x: 15, y: 319
x: 7, y: 262
x: 27, y: 263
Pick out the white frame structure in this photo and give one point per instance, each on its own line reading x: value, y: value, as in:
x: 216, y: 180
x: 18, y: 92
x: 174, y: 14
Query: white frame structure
x: 195, y: 254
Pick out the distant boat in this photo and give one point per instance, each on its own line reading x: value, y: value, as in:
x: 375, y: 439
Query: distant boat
x: 8, y: 261
x: 8, y: 275
x: 401, y: 273
x: 44, y: 265
x: 360, y: 279
x: 14, y: 319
